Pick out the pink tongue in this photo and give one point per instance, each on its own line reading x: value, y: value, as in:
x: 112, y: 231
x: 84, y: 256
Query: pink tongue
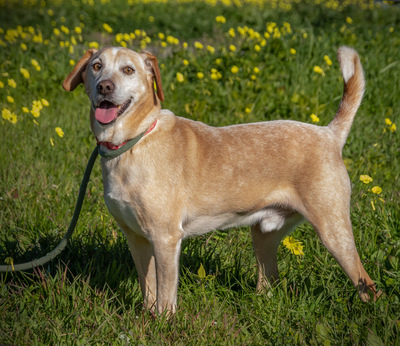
x: 106, y: 112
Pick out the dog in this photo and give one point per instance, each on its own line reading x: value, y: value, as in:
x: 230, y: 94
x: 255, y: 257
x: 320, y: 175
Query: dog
x: 184, y: 178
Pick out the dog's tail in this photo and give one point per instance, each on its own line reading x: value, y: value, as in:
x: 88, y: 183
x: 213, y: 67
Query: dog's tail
x: 353, y: 92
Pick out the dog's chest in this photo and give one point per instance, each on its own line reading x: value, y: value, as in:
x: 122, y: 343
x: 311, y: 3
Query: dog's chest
x: 120, y: 201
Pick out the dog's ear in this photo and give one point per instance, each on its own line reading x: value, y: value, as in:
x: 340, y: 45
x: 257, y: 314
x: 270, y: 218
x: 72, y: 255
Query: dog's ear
x: 152, y: 64
x: 76, y: 77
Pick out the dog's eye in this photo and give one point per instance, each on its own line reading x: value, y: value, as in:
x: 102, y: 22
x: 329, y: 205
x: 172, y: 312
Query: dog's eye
x: 128, y: 70
x: 97, y: 66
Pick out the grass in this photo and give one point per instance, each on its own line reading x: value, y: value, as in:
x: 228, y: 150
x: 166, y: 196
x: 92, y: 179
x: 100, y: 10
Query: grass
x: 90, y: 293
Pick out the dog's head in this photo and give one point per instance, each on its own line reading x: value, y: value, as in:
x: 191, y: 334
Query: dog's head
x: 120, y: 86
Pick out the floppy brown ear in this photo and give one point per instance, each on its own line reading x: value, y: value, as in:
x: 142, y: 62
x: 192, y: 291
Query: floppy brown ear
x: 76, y: 76
x: 151, y: 62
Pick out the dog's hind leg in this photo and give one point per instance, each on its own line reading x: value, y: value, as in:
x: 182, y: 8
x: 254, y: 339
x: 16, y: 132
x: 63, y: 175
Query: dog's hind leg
x: 336, y: 234
x: 266, y: 243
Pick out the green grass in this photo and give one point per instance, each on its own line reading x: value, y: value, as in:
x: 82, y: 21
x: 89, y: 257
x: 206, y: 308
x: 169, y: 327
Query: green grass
x: 90, y: 293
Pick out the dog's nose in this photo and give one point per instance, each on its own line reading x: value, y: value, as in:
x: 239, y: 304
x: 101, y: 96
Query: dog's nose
x: 105, y: 87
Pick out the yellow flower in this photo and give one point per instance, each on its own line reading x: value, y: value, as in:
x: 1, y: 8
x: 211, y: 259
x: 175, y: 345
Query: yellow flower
x: 10, y: 99
x: 366, y: 179
x: 293, y: 245
x: 50, y: 12
x: 392, y: 128
x: 232, y: 48
x: 256, y: 70
x: 25, y: 109
x: 24, y: 46
x: 328, y: 61
x: 78, y: 30
x: 220, y: 19
x: 35, y: 64
x: 349, y: 20
x: 314, y: 118
x: 93, y: 44
x: 211, y: 49
x: 293, y: 51
x: 1, y: 85
x: 52, y: 142
x: 56, y: 31
x: 45, y: 103
x: 200, y: 75
x: 257, y: 48
x: 232, y: 32
x: 59, y: 131
x: 198, y: 45
x: 107, y: 28
x: 235, y: 69
x: 12, y: 83
x: 180, y: 78
x: 185, y: 62
x: 388, y: 121
x: 71, y: 62
x: 319, y: 70
x: 9, y: 115
x: 161, y: 36
x: 376, y: 189
x: 24, y: 72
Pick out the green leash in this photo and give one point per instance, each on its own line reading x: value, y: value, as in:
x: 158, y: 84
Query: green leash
x: 103, y: 152
x: 63, y: 243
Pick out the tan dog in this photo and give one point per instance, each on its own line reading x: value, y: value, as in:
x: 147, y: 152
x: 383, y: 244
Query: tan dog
x: 185, y: 178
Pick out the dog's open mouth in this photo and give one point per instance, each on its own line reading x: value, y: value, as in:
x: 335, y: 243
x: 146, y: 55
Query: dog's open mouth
x: 107, y: 112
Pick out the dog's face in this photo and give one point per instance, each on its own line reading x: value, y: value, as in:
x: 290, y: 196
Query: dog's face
x: 119, y: 83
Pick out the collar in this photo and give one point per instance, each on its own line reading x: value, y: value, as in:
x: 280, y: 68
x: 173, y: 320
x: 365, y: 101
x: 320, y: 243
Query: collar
x: 109, y: 150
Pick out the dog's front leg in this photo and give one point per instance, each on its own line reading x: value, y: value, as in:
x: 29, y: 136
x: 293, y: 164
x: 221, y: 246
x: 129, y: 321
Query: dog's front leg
x: 143, y: 256
x: 167, y: 248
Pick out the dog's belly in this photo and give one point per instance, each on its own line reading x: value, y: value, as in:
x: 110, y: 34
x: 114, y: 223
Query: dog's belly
x: 271, y: 219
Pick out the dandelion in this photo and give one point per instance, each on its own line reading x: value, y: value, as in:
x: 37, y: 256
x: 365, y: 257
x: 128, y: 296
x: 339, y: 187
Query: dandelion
x: 200, y: 75
x: 10, y: 99
x: 319, y: 70
x: 180, y: 78
x: 328, y: 61
x: 366, y: 179
x: 392, y: 128
x: 45, y: 102
x: 314, y: 118
x: 59, y: 132
x: 71, y: 62
x: 215, y: 74
x: 257, y: 48
x: 256, y: 70
x: 50, y: 12
x: 232, y: 48
x: 185, y: 62
x: 107, y: 28
x: 388, y: 121
x: 56, y: 31
x: 24, y: 72
x: 376, y: 190
x: 211, y: 49
x: 293, y: 245
x: 24, y: 46
x: 25, y: 109
x: 1, y: 85
x: 35, y: 64
x: 231, y: 32
x: 235, y: 69
x: 93, y: 44
x: 9, y: 115
x: 12, y: 83
x: 198, y: 45
x: 349, y: 20
x: 220, y: 19
x: 161, y: 36
x: 292, y: 51
x: 305, y: 35
x: 151, y: 19
x: 78, y: 30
